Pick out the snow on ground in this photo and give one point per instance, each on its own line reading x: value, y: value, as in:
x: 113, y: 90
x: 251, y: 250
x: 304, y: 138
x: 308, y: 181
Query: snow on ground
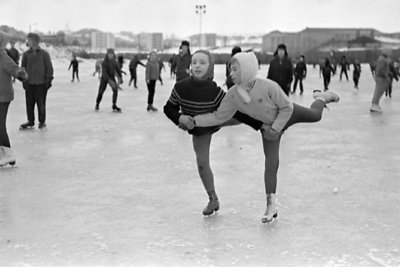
x: 108, y: 189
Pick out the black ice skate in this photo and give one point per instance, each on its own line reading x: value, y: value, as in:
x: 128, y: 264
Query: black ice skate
x: 42, y: 125
x: 212, y: 206
x: 151, y: 108
x: 26, y: 125
x: 116, y: 109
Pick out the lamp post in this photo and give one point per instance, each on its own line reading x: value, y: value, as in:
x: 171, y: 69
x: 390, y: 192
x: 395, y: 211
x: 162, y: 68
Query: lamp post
x: 200, y: 10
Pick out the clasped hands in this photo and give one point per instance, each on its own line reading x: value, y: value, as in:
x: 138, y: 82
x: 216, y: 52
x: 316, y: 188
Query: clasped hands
x: 186, y: 122
x: 270, y: 133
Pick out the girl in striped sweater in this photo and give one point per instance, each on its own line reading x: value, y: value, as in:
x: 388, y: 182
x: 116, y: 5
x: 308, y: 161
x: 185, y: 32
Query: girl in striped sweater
x: 196, y: 95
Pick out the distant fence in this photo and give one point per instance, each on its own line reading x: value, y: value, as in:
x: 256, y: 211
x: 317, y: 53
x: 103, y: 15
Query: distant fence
x: 363, y: 56
x: 220, y: 58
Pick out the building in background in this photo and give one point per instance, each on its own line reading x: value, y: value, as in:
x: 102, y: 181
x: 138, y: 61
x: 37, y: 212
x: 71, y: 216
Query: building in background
x: 312, y: 38
x: 203, y: 40
x: 101, y: 41
x: 151, y: 41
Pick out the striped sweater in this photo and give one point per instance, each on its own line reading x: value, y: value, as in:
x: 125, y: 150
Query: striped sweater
x: 193, y: 97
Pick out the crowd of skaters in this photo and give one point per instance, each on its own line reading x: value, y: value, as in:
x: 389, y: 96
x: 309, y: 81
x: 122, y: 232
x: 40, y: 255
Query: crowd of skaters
x: 189, y: 104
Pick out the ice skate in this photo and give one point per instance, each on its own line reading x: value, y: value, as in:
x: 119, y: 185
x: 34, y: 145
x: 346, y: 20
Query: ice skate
x: 42, y: 125
x: 375, y: 108
x: 6, y: 156
x: 271, y: 212
x: 326, y: 96
x: 151, y: 108
x: 212, y: 206
x: 96, y: 108
x: 116, y: 109
x: 26, y: 125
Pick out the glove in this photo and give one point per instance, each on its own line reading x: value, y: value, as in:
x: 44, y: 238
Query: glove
x: 269, y: 133
x: 186, y: 122
x: 22, y: 75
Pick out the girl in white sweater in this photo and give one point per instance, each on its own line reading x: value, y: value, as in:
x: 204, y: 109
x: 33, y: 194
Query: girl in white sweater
x: 264, y: 100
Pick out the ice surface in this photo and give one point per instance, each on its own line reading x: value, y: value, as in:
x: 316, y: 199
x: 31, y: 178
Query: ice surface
x: 108, y: 189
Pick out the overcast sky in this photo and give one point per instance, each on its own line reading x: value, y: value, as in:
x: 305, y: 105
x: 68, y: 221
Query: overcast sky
x: 179, y: 17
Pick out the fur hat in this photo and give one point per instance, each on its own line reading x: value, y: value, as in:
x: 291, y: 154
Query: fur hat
x: 281, y: 46
x: 34, y: 37
x: 210, y: 71
x: 184, y: 42
x: 110, y: 50
x: 235, y: 50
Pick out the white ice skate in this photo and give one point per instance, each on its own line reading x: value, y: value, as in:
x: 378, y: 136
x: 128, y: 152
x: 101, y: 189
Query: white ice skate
x: 375, y: 108
x: 271, y: 212
x: 6, y: 156
x: 327, y: 96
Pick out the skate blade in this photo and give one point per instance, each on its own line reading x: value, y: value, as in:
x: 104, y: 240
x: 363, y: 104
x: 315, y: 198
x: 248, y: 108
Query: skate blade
x: 214, y: 212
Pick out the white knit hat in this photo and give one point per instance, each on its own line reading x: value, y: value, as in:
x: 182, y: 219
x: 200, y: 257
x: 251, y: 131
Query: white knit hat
x: 249, y: 68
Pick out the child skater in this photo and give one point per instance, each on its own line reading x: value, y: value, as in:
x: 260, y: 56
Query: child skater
x: 109, y: 69
x: 152, y: 75
x: 356, y: 73
x: 75, y: 68
x: 327, y: 71
x: 195, y: 95
x: 265, y: 101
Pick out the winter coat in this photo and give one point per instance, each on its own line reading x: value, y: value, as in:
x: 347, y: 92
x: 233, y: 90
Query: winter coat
x: 281, y: 71
x: 152, y: 70
x: 182, y: 65
x: 37, y: 64
x: 110, y: 68
x: 8, y: 68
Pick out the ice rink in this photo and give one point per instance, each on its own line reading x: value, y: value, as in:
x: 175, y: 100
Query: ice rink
x: 109, y: 189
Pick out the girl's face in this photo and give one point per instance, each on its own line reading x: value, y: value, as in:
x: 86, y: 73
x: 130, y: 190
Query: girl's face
x: 200, y: 63
x: 236, y: 73
x: 110, y: 55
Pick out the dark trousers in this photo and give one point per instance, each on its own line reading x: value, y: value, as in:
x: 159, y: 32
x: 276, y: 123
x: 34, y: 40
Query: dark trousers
x: 4, y: 140
x: 133, y: 77
x: 36, y: 94
x: 300, y: 80
x: 271, y: 147
x: 151, y: 87
x: 344, y: 70
x: 75, y: 72
x: 327, y: 81
x: 102, y: 89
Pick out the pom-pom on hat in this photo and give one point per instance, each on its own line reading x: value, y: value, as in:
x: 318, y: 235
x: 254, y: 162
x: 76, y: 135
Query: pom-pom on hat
x: 34, y: 37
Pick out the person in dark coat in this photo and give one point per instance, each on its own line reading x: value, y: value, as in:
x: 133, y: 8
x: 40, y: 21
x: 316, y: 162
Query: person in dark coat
x: 75, y: 68
x: 393, y: 74
x: 133, y: 70
x: 356, y: 73
x: 228, y: 81
x: 183, y: 61
x: 109, y: 70
x: 281, y: 69
x: 327, y: 71
x: 172, y: 65
x: 39, y: 67
x: 344, y: 66
x: 300, y: 73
